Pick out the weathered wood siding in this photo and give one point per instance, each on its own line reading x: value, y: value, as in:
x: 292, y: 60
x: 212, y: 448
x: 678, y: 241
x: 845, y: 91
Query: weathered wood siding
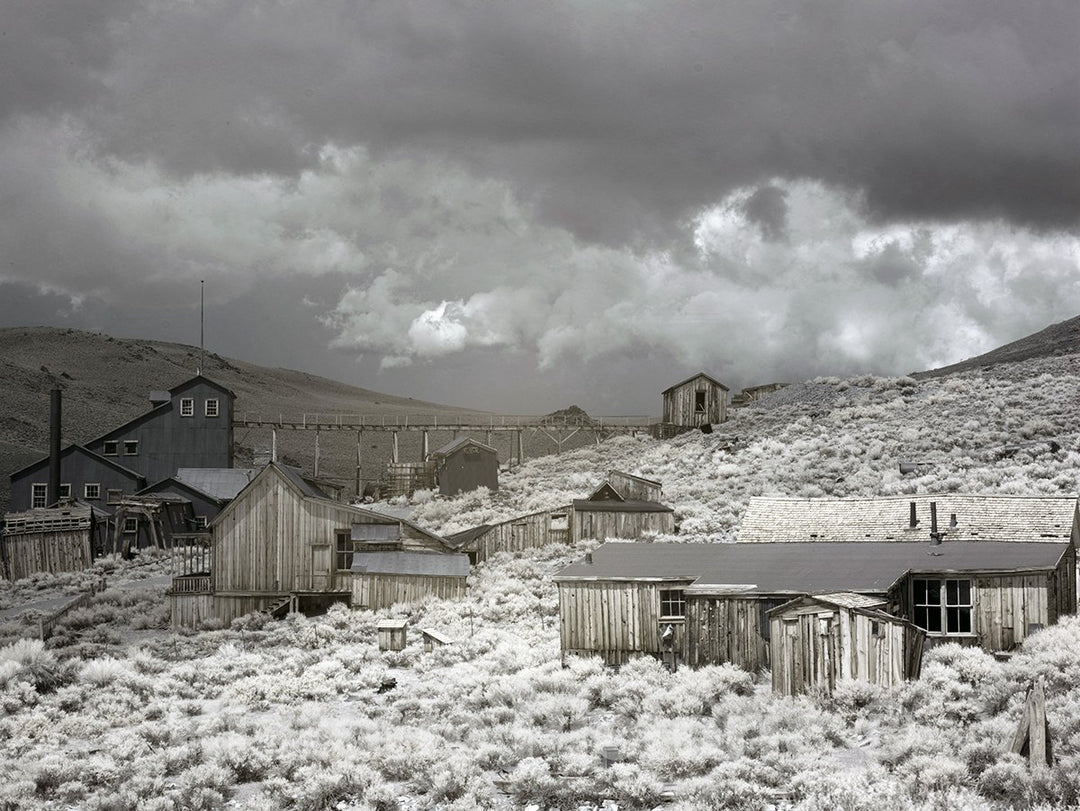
x: 615, y: 620
x: 603, y: 524
x: 50, y: 551
x: 679, y: 403
x: 633, y: 488
x: 727, y: 629
x: 467, y: 468
x: 1007, y: 606
x: 191, y: 610
x: 521, y: 533
x: 815, y: 646
x: 376, y: 591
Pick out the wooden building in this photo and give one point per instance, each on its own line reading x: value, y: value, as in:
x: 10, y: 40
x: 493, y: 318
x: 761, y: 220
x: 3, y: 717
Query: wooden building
x: 515, y: 535
x: 393, y: 634
x: 618, y: 602
x: 64, y: 538
x: 611, y: 512
x: 696, y: 401
x: 818, y: 641
x: 636, y: 488
x: 282, y: 541
x: 464, y: 465
x: 188, y: 426
x: 752, y: 394
x: 383, y: 579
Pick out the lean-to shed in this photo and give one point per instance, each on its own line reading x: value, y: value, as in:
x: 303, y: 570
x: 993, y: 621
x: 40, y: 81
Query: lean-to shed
x: 695, y: 401
x: 382, y: 579
x: 822, y: 639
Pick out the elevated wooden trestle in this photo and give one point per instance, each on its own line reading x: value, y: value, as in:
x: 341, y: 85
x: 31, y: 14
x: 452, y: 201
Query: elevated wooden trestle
x: 558, y: 430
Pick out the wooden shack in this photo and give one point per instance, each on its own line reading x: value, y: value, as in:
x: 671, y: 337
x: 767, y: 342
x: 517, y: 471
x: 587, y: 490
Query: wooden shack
x: 635, y: 488
x: 517, y: 534
x: 56, y: 539
x: 696, y: 401
x: 716, y: 597
x: 820, y: 640
x: 392, y: 634
x: 609, y: 513
x: 282, y: 541
x: 383, y: 579
x: 464, y: 465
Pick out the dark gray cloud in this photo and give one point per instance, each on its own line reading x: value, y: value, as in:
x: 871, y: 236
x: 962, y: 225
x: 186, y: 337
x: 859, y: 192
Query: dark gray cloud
x: 767, y: 189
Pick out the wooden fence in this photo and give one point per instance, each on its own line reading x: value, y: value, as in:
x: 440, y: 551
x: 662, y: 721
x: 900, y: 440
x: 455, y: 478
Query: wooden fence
x: 49, y: 622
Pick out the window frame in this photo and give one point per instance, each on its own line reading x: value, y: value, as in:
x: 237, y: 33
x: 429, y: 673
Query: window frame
x: 344, y: 549
x: 187, y: 407
x: 216, y: 403
x: 39, y: 495
x: 674, y: 598
x: 110, y: 447
x: 701, y: 401
x: 947, y: 603
x: 92, y: 491
x: 114, y: 495
x: 65, y: 490
x: 131, y: 447
x: 131, y: 525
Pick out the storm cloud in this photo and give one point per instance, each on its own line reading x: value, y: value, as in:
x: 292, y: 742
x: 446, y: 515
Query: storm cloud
x: 766, y: 190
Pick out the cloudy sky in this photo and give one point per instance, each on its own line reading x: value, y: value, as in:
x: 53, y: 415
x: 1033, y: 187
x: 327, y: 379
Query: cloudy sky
x: 520, y: 205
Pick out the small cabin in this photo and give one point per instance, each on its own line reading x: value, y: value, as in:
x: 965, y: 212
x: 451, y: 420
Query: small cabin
x: 613, y: 510
x: 392, y: 634
x: 822, y: 639
x: 464, y: 465
x: 53, y: 539
x: 696, y: 401
x: 434, y: 639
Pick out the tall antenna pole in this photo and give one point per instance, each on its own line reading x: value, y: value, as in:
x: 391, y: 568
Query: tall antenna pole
x: 202, y: 319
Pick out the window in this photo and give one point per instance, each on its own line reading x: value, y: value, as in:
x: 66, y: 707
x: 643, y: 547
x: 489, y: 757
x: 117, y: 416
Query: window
x: 111, y: 447
x: 131, y: 447
x: 131, y: 525
x: 942, y: 606
x: 201, y: 522
x: 92, y: 492
x: 344, y: 550
x: 187, y: 407
x: 39, y: 495
x: 699, y: 402
x: 114, y: 496
x: 560, y: 522
x: 212, y: 408
x: 65, y: 491
x: 672, y: 603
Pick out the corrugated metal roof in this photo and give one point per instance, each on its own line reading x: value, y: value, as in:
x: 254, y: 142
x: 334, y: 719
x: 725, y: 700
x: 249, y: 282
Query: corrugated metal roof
x: 797, y: 568
x: 585, y: 506
x: 1030, y: 519
x: 411, y: 563
x: 217, y: 482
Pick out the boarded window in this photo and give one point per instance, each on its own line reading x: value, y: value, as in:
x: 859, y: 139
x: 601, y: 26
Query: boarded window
x: 39, y: 495
x: 113, y: 496
x: 672, y: 603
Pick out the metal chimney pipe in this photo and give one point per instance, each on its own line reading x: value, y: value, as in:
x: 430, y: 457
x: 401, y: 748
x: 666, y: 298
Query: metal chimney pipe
x: 912, y: 520
x: 54, y: 447
x: 935, y: 537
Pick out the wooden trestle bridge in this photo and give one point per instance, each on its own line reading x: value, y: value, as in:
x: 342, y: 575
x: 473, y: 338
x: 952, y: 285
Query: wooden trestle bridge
x: 558, y: 429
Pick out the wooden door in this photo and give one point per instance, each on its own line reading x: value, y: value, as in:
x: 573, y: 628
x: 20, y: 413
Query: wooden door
x: 321, y: 572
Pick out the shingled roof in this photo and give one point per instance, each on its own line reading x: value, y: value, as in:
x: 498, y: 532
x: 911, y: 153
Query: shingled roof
x: 1025, y: 519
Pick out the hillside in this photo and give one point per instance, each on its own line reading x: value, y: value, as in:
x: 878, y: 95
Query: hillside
x: 1054, y: 341
x: 106, y: 381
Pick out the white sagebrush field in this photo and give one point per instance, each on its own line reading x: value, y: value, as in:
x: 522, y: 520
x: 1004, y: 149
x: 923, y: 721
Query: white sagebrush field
x: 115, y: 714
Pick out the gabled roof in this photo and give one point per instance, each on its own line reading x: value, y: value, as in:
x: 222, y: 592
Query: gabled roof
x: 692, y: 378
x: 180, y: 388
x: 162, y: 407
x: 84, y: 451
x: 296, y: 482
x: 586, y: 505
x: 802, y: 568
x: 641, y: 479
x: 1030, y: 519
x: 461, y: 442
x: 411, y: 563
x: 180, y: 484
x: 222, y: 483
x: 605, y: 492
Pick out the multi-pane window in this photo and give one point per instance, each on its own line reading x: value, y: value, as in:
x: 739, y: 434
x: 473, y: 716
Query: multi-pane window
x: 212, y: 408
x: 91, y: 492
x: 131, y: 447
x: 187, y: 406
x: 131, y: 525
x: 672, y: 603
x: 39, y: 495
x: 344, y: 551
x: 111, y: 447
x: 942, y: 606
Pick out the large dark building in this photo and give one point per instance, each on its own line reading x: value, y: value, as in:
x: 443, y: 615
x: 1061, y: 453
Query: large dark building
x: 189, y: 426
